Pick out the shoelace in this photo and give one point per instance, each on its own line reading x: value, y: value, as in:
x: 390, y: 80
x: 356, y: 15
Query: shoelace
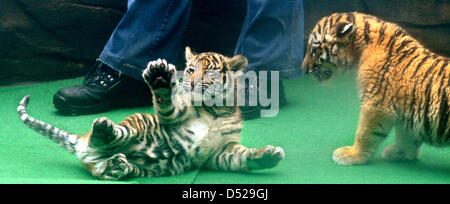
x: 101, y: 76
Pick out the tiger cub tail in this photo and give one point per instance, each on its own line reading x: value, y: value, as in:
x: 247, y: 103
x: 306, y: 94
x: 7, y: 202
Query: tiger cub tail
x: 66, y: 140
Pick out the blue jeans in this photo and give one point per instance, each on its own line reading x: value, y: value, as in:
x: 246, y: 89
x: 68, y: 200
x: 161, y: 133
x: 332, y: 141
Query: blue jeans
x: 271, y: 37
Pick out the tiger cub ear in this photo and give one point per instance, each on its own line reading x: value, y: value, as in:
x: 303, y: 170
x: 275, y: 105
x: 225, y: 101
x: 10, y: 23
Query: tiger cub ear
x: 343, y: 29
x: 238, y: 63
x: 188, y: 54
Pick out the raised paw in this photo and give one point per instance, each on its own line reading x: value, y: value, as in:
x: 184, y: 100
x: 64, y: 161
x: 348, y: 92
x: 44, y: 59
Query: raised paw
x: 158, y: 74
x: 348, y: 156
x: 265, y: 158
x: 116, y: 168
x: 396, y: 153
x: 102, y: 132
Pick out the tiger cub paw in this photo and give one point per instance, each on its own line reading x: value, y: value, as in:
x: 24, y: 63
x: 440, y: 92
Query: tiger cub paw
x: 348, y: 156
x: 102, y: 132
x: 396, y: 153
x: 116, y: 168
x: 158, y: 74
x: 265, y: 158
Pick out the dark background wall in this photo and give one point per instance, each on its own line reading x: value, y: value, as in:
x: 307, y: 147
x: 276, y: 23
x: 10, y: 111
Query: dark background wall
x: 426, y: 20
x: 54, y: 39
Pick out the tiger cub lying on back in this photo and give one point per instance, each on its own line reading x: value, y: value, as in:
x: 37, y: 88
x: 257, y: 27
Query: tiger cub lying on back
x: 402, y: 84
x: 179, y: 137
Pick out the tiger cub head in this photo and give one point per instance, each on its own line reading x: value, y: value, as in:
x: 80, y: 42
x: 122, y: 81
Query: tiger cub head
x: 212, y: 76
x: 330, y: 46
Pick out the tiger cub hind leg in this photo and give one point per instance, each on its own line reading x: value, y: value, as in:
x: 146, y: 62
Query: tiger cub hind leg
x: 265, y: 158
x: 113, y: 168
x: 406, y: 147
x: 239, y: 158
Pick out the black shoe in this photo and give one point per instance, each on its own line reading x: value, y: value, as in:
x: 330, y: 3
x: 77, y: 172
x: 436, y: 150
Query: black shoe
x: 253, y: 112
x: 104, y: 89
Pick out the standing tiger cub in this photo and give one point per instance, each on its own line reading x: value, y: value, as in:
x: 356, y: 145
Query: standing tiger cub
x: 178, y: 137
x: 402, y: 84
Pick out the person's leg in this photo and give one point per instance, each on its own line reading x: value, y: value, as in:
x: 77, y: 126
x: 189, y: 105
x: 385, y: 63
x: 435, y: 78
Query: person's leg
x: 272, y: 37
x: 149, y: 30
x: 272, y: 40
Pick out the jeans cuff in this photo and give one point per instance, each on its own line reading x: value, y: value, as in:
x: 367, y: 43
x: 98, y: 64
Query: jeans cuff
x: 120, y: 66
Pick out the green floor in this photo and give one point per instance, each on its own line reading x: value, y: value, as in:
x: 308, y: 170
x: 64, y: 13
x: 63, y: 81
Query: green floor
x: 318, y: 119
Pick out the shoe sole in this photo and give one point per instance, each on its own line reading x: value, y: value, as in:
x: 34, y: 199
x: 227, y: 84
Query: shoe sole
x: 65, y: 108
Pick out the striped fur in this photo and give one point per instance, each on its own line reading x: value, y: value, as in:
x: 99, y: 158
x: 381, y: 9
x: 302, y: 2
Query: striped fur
x: 403, y: 85
x: 177, y: 138
x: 66, y: 140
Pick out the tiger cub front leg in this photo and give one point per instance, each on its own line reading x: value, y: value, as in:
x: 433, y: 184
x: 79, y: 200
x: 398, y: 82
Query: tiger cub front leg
x: 374, y: 127
x: 159, y: 75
